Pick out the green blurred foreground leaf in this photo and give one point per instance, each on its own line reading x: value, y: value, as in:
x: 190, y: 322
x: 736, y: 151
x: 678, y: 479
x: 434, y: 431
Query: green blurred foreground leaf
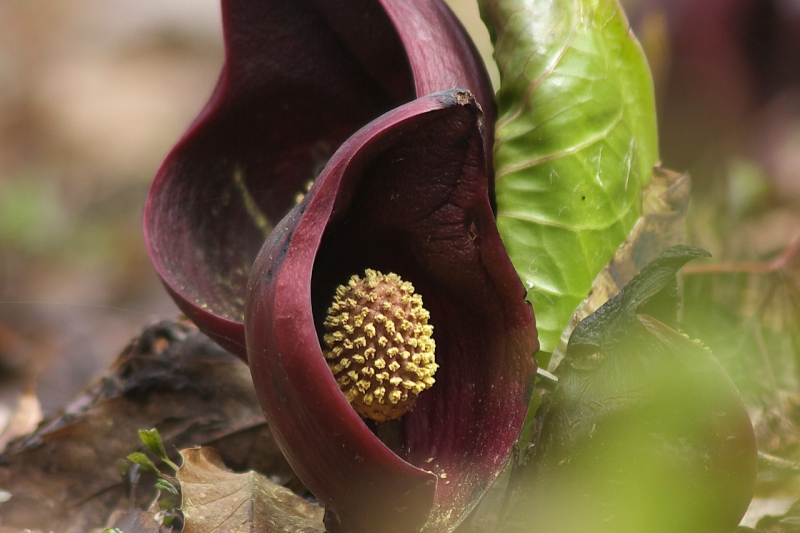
x: 644, y: 430
x: 576, y: 142
x: 749, y: 314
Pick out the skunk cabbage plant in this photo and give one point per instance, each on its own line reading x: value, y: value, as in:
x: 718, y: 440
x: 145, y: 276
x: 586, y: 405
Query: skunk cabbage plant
x: 300, y: 76
x: 388, y: 334
x: 388, y: 288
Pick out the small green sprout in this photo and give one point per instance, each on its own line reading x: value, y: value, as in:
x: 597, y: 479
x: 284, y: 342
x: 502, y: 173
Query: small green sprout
x: 152, y: 439
x: 165, y: 484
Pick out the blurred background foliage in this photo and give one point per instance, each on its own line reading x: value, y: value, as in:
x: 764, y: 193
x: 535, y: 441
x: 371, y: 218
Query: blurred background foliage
x: 92, y: 95
x: 94, y: 92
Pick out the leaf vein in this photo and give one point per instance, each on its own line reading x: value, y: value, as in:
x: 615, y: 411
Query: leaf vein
x: 509, y: 169
x: 537, y: 82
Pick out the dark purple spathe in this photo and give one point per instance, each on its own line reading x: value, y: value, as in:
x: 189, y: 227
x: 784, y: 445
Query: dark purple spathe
x: 300, y: 76
x: 407, y: 194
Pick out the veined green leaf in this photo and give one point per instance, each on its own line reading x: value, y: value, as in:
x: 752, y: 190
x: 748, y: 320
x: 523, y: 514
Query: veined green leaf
x: 576, y: 142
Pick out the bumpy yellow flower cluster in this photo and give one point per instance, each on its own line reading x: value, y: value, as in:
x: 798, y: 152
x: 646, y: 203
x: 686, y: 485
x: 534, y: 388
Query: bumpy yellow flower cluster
x: 379, y: 343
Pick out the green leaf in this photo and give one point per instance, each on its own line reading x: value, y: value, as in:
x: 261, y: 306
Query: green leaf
x: 169, y: 518
x: 654, y: 289
x: 166, y: 504
x: 142, y: 460
x: 164, y: 485
x: 665, y: 201
x: 576, y: 142
x: 152, y: 439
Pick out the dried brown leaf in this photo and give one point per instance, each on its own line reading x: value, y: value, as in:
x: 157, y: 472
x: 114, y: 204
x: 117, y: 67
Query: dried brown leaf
x: 135, y: 521
x: 218, y: 500
x: 65, y: 476
x: 24, y: 419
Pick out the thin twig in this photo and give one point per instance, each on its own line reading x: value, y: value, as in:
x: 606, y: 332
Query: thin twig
x: 780, y: 263
x: 778, y: 462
